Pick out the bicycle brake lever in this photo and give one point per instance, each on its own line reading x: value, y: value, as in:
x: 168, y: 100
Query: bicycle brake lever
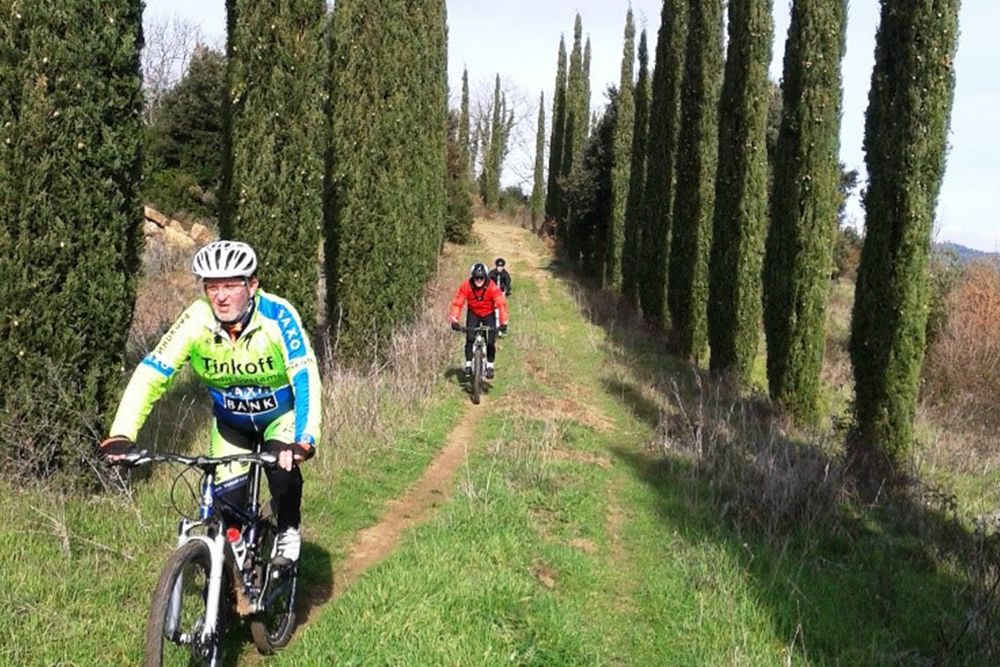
x: 134, y: 459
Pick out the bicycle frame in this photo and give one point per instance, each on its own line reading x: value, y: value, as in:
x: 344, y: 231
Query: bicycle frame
x: 481, y: 332
x: 210, y: 518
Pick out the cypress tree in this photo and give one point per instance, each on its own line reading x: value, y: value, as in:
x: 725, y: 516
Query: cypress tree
x: 909, y: 107
x: 697, y: 155
x: 477, y: 140
x: 433, y: 125
x: 70, y: 145
x: 739, y: 222
x: 463, y: 126
x: 574, y: 133
x: 385, y: 190
x: 804, y: 201
x: 273, y: 161
x: 585, y: 99
x: 458, y: 225
x: 631, y: 259
x: 538, y: 187
x: 664, y: 123
x: 497, y: 137
x: 621, y: 161
x: 553, y: 200
x: 588, y: 189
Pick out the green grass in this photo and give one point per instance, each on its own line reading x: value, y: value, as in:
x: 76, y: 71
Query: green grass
x: 571, y: 539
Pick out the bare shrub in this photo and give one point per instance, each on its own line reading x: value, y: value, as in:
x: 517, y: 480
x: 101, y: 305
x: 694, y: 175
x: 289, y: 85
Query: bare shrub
x: 165, y: 288
x: 365, y: 408
x: 961, y: 378
x: 762, y: 478
x: 48, y: 431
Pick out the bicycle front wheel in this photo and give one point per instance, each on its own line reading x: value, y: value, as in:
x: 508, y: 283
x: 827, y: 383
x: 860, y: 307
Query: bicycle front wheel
x: 177, y: 615
x: 477, y: 374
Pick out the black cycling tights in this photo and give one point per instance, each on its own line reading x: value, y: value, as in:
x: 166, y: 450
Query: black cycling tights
x: 473, y: 320
x: 286, y: 489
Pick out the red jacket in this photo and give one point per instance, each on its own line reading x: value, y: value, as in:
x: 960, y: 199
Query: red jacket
x: 482, y: 300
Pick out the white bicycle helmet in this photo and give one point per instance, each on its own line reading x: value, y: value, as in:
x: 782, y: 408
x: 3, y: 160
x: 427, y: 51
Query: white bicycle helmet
x: 225, y: 259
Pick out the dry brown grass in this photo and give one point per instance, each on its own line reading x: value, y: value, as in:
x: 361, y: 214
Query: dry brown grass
x: 166, y: 287
x: 962, y: 371
x: 836, y: 372
x: 765, y: 477
x: 364, y: 408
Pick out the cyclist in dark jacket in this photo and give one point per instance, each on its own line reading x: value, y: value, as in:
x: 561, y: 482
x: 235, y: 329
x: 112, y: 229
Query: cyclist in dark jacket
x: 500, y: 276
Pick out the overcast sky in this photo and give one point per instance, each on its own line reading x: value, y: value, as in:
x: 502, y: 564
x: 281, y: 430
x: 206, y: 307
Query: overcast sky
x: 519, y: 39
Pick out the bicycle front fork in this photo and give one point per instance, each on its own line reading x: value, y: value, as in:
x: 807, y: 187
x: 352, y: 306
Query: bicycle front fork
x: 216, y: 548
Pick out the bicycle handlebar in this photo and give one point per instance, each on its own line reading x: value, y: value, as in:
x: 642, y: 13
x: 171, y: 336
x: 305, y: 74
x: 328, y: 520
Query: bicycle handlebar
x: 204, y: 463
x: 481, y: 327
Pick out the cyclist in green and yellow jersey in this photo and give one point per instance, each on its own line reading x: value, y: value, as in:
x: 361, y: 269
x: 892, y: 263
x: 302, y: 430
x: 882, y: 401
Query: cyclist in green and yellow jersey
x: 251, y: 351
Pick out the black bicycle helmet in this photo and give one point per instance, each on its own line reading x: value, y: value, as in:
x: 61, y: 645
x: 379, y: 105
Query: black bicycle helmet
x: 478, y: 271
x: 501, y: 261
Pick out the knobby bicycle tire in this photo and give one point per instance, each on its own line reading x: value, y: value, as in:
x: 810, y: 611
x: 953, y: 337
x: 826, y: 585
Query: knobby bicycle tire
x: 272, y: 628
x: 477, y: 374
x: 187, y: 569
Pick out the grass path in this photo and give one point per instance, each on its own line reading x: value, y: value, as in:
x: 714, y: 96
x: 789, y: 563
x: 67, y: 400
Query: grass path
x: 570, y: 539
x: 546, y: 526
x: 372, y: 544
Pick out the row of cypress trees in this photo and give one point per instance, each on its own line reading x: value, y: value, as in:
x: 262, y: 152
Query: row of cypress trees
x: 335, y: 129
x: 712, y: 242
x: 570, y: 129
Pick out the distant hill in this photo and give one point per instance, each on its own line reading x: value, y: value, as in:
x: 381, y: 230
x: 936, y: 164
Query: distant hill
x: 966, y: 255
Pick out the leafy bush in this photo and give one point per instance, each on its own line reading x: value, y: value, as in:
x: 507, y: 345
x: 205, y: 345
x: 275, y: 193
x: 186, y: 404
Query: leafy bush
x: 183, y: 141
x: 172, y: 191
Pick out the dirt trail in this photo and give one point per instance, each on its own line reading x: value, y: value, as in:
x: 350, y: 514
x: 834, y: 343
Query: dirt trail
x: 517, y: 245
x: 373, y: 544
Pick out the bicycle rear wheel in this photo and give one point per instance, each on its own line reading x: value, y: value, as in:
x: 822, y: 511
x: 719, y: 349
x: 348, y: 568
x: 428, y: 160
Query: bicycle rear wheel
x: 273, y: 626
x: 177, y: 614
x: 477, y: 374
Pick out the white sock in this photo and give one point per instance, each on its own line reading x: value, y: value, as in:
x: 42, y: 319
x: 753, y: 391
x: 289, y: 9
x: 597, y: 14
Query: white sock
x: 489, y: 364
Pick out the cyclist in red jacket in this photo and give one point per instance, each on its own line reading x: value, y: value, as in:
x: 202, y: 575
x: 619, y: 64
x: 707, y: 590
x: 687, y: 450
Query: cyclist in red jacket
x: 483, y: 298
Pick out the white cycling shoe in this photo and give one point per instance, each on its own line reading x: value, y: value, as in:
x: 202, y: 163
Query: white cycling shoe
x: 288, y: 546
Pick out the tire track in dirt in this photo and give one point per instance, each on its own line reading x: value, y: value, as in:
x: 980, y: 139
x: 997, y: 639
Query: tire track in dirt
x: 375, y: 543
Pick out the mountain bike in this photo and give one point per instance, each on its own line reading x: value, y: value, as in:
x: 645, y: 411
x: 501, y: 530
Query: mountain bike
x: 213, y: 571
x: 478, y: 359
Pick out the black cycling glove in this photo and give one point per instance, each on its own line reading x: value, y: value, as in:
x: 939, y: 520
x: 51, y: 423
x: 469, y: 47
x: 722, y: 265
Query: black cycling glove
x: 117, y: 445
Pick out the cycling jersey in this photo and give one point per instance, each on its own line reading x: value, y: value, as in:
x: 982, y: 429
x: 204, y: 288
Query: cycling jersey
x: 269, y: 371
x: 482, y: 300
x: 502, y: 279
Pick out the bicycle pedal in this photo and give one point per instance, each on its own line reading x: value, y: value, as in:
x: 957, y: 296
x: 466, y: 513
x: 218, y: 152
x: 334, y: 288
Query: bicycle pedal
x: 280, y: 564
